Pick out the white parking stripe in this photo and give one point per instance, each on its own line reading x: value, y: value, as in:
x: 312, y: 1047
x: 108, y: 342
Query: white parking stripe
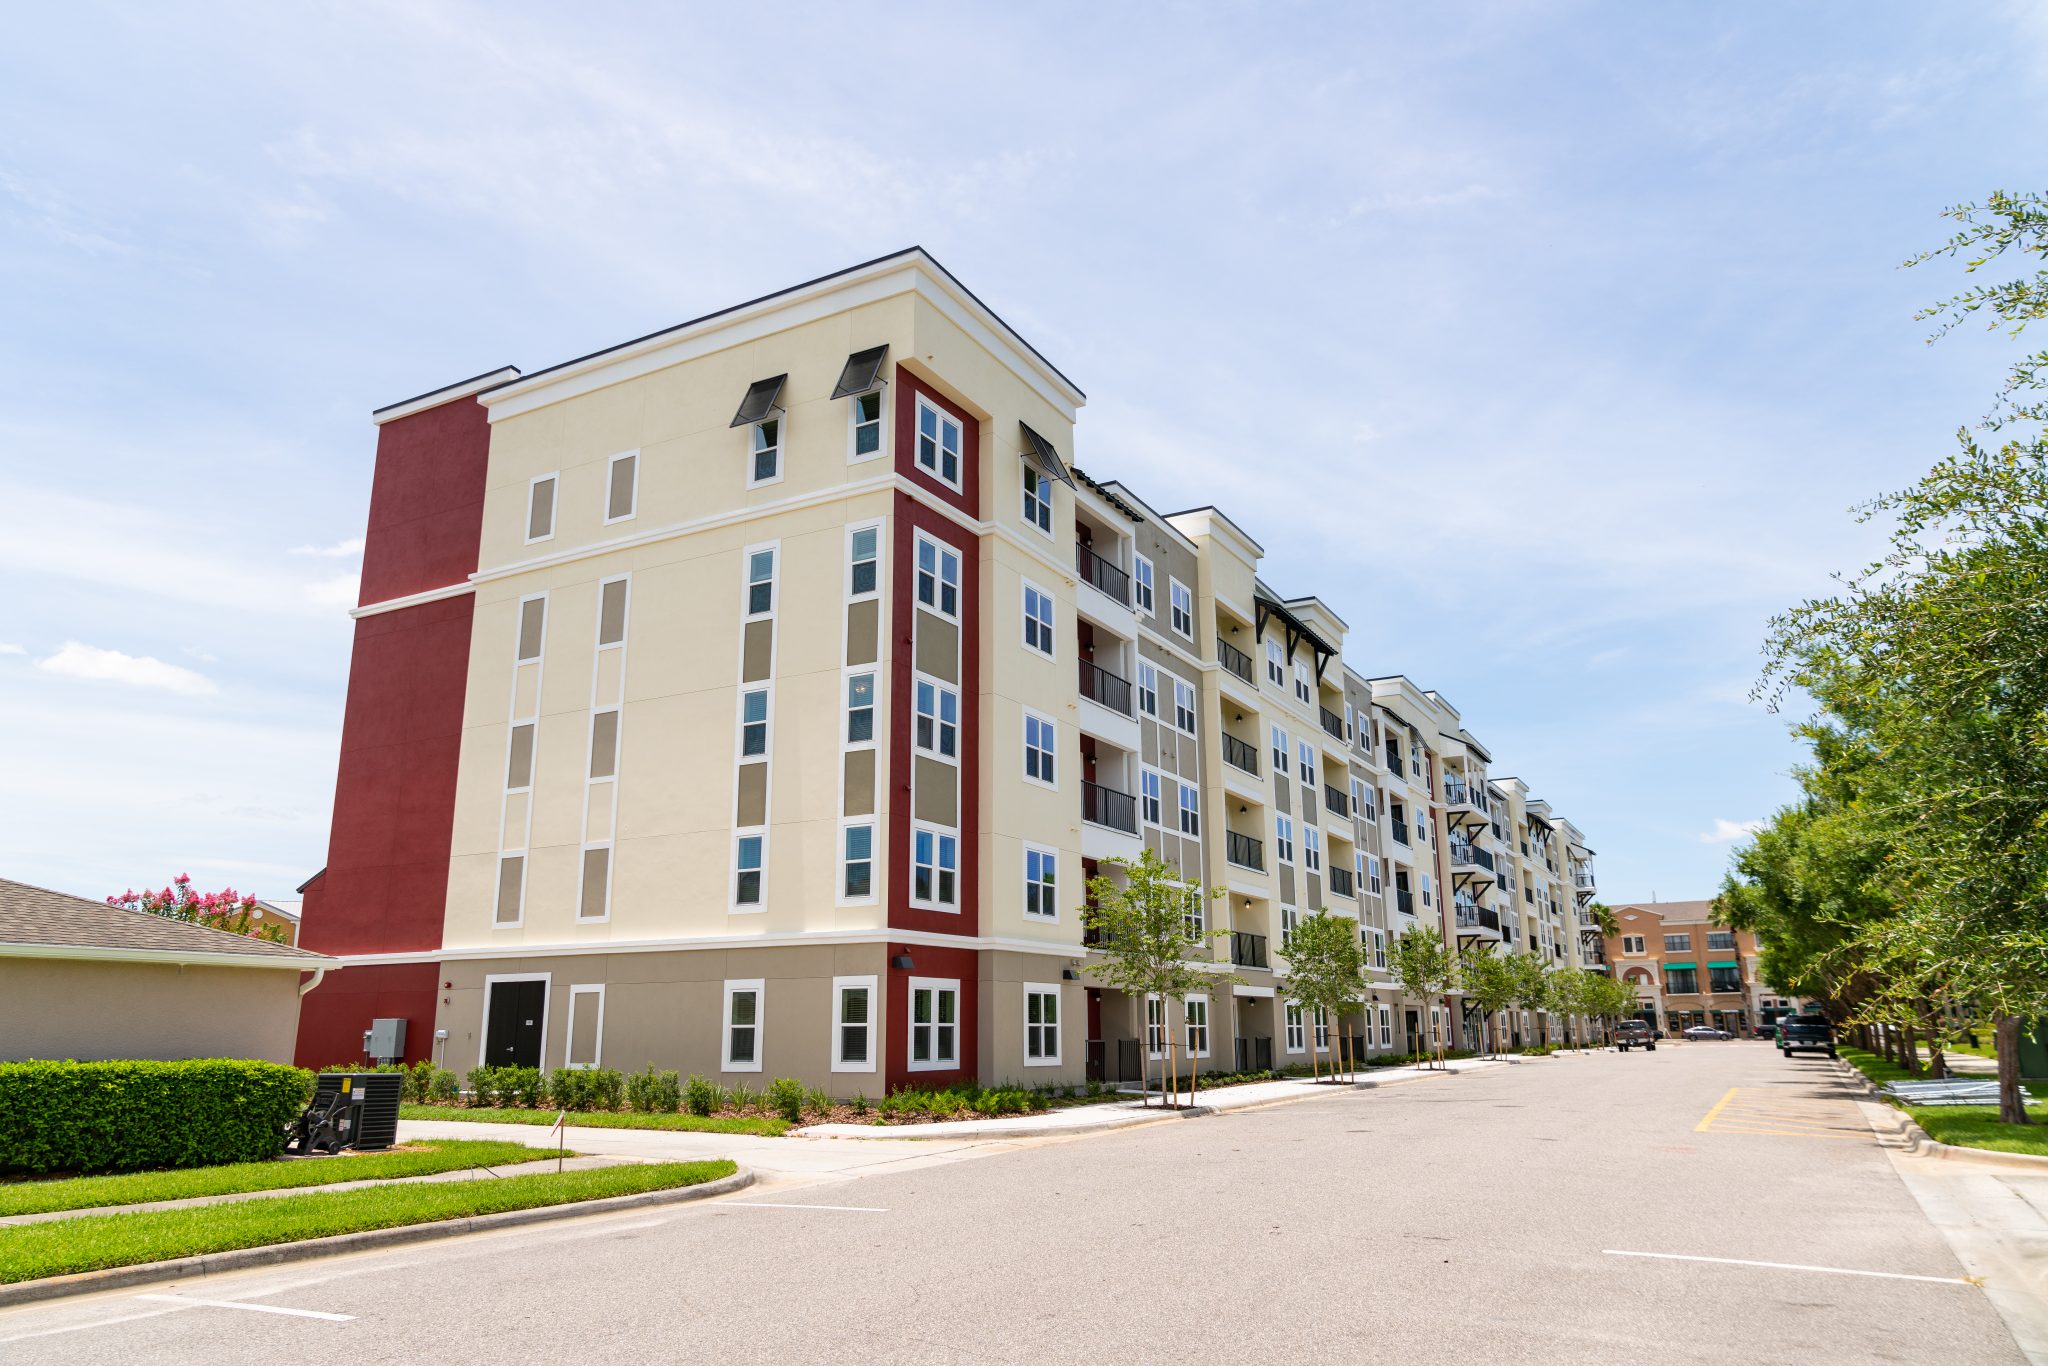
x: 254, y: 1308
x: 1790, y: 1266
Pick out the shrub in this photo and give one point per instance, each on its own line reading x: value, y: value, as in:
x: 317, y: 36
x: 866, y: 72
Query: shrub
x: 442, y: 1086
x: 786, y: 1098
x: 569, y: 1090
x: 419, y: 1081
x: 607, y: 1089
x: 130, y: 1116
x: 740, y: 1096
x: 653, y: 1092
x: 700, y: 1097
x: 483, y: 1086
x: 522, y: 1086
x: 860, y: 1105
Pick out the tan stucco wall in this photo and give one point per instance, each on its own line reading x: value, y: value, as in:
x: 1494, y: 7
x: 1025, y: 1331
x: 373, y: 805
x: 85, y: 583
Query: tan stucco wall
x: 54, y: 1008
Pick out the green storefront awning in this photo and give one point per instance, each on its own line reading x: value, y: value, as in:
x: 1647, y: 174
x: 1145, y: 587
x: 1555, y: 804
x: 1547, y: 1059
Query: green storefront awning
x: 1689, y: 967
x: 1724, y: 965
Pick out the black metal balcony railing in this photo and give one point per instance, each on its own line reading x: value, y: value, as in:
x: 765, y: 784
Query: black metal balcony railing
x: 1100, y: 685
x: 1238, y: 754
x: 1247, y: 950
x: 1332, y: 722
x: 1393, y: 758
x: 1404, y: 900
x: 1338, y: 804
x: 1468, y: 854
x: 1400, y: 829
x: 1234, y: 659
x: 1340, y: 881
x: 1244, y: 851
x: 1113, y: 581
x: 1458, y: 792
x: 1106, y: 806
x: 1471, y: 917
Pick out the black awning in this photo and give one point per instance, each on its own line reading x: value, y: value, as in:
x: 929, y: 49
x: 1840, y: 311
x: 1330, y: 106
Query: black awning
x: 759, y: 402
x: 1037, y: 448
x: 863, y: 371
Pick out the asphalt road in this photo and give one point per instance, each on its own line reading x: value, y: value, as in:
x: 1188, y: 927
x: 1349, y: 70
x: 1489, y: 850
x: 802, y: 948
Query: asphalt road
x: 1463, y: 1219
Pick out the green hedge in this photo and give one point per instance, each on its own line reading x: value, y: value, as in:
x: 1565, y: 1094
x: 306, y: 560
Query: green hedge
x: 133, y: 1116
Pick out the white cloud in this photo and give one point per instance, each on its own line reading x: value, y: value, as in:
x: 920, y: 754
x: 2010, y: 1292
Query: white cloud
x: 339, y: 550
x: 7, y: 648
x: 76, y: 660
x: 339, y: 591
x: 1727, y: 831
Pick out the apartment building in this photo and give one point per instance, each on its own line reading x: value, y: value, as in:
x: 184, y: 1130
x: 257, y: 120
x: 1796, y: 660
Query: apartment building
x: 759, y: 696
x: 1688, y: 970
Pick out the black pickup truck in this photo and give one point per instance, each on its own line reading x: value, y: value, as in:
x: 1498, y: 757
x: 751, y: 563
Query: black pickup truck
x: 1807, y: 1034
x: 1635, y: 1034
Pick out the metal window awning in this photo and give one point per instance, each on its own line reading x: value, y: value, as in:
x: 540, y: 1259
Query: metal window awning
x: 759, y: 404
x: 1040, y: 451
x: 863, y: 372
x: 1689, y: 967
x: 1297, y: 631
x: 1724, y: 965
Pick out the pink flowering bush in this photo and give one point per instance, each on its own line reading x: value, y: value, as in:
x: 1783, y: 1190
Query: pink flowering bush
x: 228, y: 910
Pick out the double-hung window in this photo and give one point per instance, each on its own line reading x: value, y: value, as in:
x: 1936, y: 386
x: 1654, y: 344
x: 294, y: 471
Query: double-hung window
x: 746, y: 889
x: 1155, y: 1027
x: 934, y: 1024
x: 1037, y: 620
x: 1195, y: 1014
x: 1182, y: 604
x: 765, y: 463
x: 1379, y: 956
x: 863, y: 560
x: 1322, y: 1029
x: 857, y: 880
x: 1308, y: 766
x: 1303, y: 689
x: 1283, y: 838
x: 743, y: 1026
x: 853, y: 1024
x: 938, y: 577
x: 1289, y: 918
x: 1041, y: 1026
x: 1148, y: 690
x: 1148, y: 796
x: 1039, y: 740
x: 1280, y: 748
x: 760, y: 583
x: 1038, y: 499
x: 1387, y: 1027
x: 1721, y: 941
x: 1678, y: 943
x: 1372, y: 873
x: 860, y: 708
x: 1311, y: 848
x: 934, y: 867
x: 864, y: 412
x: 1184, y: 706
x: 1141, y: 585
x: 938, y: 443
x: 753, y: 722
x: 1190, y: 810
x: 1276, y: 664
x: 1297, y: 1036
x: 1425, y: 889
x: 1041, y: 868
x: 938, y: 719
x: 1632, y: 943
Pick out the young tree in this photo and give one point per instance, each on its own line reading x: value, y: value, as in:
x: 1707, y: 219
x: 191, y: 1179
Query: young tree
x: 1490, y: 980
x: 1564, y: 995
x: 1427, y: 967
x: 1154, y: 941
x: 229, y: 910
x: 1532, y: 987
x: 1325, y: 969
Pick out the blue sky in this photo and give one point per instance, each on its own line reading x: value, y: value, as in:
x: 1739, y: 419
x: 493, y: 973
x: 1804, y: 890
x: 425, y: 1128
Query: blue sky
x: 1579, y: 324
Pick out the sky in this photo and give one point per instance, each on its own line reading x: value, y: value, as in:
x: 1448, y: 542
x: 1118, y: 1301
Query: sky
x: 1550, y: 343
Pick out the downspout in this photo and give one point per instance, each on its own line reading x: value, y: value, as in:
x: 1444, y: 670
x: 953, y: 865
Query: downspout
x: 305, y: 987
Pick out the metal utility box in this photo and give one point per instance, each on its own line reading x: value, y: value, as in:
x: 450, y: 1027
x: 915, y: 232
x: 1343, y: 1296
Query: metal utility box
x: 386, y: 1041
x: 371, y: 1099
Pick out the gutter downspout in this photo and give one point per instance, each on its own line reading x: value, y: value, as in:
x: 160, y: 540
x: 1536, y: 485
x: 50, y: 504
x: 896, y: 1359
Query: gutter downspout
x: 305, y: 987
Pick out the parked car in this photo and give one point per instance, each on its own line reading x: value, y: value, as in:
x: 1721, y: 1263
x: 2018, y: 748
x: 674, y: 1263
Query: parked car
x: 1764, y: 1029
x: 1635, y: 1034
x: 1806, y: 1034
x: 1707, y: 1032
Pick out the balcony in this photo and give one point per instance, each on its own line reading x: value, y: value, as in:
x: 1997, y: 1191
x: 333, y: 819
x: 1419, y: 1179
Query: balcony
x: 1478, y: 918
x: 1333, y: 724
x: 1394, y: 759
x: 1583, y: 881
x: 1335, y: 802
x: 1240, y: 755
x: 1105, y: 806
x: 1466, y: 855
x: 1105, y: 689
x: 1244, y: 851
x: 1404, y: 901
x: 1400, y: 828
x: 1112, y: 582
x: 1459, y: 793
x: 1247, y: 950
x: 1235, y: 660
x: 1340, y: 881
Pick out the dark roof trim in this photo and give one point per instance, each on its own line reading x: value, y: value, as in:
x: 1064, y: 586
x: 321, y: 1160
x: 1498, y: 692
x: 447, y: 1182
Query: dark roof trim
x: 1104, y: 492
x: 447, y: 388
x: 310, y: 881
x: 1211, y: 507
x: 1039, y: 449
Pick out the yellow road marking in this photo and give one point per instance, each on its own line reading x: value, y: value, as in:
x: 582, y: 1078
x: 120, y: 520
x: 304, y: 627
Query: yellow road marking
x: 1750, y: 1110
x: 1701, y: 1127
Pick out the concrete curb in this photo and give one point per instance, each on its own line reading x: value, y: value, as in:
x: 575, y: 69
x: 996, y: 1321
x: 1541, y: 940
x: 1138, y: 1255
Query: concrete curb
x: 1914, y: 1140
x: 922, y: 1132
x: 214, y: 1263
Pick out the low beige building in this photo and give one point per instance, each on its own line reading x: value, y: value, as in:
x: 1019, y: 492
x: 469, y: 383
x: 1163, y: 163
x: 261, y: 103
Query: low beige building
x: 84, y: 980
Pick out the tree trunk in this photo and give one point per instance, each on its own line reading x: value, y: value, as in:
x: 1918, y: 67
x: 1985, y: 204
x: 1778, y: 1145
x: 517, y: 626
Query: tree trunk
x: 1909, y: 1044
x: 2012, y: 1101
x: 1937, y: 1063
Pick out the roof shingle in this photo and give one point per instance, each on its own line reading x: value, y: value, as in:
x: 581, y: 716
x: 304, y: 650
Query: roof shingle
x: 40, y: 918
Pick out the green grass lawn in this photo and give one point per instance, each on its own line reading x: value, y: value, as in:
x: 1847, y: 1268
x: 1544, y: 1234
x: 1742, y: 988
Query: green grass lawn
x: 92, y: 1241
x: 1962, y: 1126
x: 136, y: 1188
x: 606, y: 1119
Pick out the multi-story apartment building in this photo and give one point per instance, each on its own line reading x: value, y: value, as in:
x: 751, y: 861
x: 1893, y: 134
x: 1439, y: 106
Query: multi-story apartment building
x: 1688, y: 970
x: 760, y: 695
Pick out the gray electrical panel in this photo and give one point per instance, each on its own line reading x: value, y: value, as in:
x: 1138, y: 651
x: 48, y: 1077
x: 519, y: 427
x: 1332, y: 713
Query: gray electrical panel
x: 387, y: 1040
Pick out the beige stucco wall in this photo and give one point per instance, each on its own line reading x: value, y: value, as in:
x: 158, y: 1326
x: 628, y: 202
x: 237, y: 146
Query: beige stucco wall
x: 58, y: 1008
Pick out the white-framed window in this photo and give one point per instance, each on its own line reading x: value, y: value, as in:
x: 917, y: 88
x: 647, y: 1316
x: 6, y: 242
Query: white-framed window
x: 938, y: 443
x: 1148, y: 689
x: 1041, y: 882
x: 1304, y: 689
x: 613, y: 597
x: 1308, y: 766
x: 934, y: 867
x: 1375, y: 948
x: 936, y: 726
x: 1155, y: 1027
x: 1372, y: 873
x: 743, y: 1014
x: 1190, y: 810
x: 938, y: 578
x: 540, y: 508
x: 519, y: 758
x: 1283, y: 838
x: 1350, y: 722
x: 1311, y: 848
x: 604, y: 744
x: 1038, y: 499
x: 864, y: 422
x: 1632, y: 943
x: 1436, y: 1025
x: 1038, y: 620
x: 934, y: 1024
x: 1040, y: 740
x: 1196, y: 912
x: 1425, y: 889
x: 857, y: 862
x: 1041, y: 1025
x: 860, y: 708
x: 1141, y: 585
x: 1386, y: 1015
x: 863, y: 562
x: 1184, y: 707
x: 1181, y: 602
x: 749, y: 853
x: 1721, y: 941
x: 1148, y: 796
x: 1276, y: 664
x: 621, y: 486
x: 586, y: 1001
x: 1195, y: 1016
x: 1678, y: 943
x: 1289, y: 918
x: 1297, y: 1036
x: 533, y: 628
x: 764, y: 452
x: 1322, y: 1029
x: 1367, y: 797
x: 760, y: 598
x: 1281, y: 746
x: 855, y: 1002
x: 753, y: 722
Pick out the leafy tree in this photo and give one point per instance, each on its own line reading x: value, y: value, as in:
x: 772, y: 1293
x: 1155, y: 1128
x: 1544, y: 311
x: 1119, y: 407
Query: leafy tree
x: 1532, y: 988
x: 1491, y: 981
x: 229, y: 910
x: 1325, y: 968
x: 1427, y: 967
x: 1154, y: 941
x: 1565, y: 994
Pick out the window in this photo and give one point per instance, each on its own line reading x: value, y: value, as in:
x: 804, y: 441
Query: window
x: 1276, y: 664
x: 1425, y: 889
x: 1184, y: 706
x: 1308, y: 766
x: 1038, y: 748
x: 533, y: 616
x: 1280, y: 748
x: 1041, y: 867
x: 1148, y: 690
x: 1197, y: 922
x: 595, y: 901
x: 1372, y: 873
x: 540, y: 509
x: 1182, y: 604
x: 865, y: 413
x: 1283, y: 838
x: 853, y: 1024
x: 1148, y: 797
x: 1677, y: 943
x: 747, y: 871
x: 1379, y: 952
x: 938, y: 578
x: 1297, y: 1037
x: 1155, y: 1027
x: 1141, y: 585
x: 766, y: 465
x: 1041, y: 1026
x: 863, y: 561
x: 519, y: 766
x: 1289, y: 918
x: 1304, y: 690
x: 604, y: 743
x: 1681, y: 981
x: 1312, y: 848
x: 1190, y: 810
x: 743, y: 1026
x: 1350, y: 722
x: 860, y: 708
x: 1632, y: 943
x: 1368, y: 803
x: 938, y: 718
x: 1723, y: 977
x: 1400, y: 817
x: 1721, y: 941
x: 611, y: 613
x: 753, y: 722
x: 585, y: 1048
x: 622, y: 486
x: 938, y: 443
x: 934, y: 1024
x: 935, y: 863
x: 1322, y: 1030
x: 857, y: 863
x: 760, y: 583
x: 511, y: 886
x: 1386, y: 1027
x: 1195, y: 1014
x: 1037, y: 620
x: 1038, y: 499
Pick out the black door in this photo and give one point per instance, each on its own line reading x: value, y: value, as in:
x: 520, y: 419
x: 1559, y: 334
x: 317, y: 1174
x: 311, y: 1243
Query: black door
x: 512, y: 1034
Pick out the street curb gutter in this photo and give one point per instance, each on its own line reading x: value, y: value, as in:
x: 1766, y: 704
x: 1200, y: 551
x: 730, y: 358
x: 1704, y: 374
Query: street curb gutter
x: 1914, y: 1140
x: 1128, y: 1120
x: 215, y: 1263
